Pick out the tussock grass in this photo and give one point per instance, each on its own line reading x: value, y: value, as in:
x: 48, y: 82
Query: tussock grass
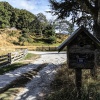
x: 63, y: 87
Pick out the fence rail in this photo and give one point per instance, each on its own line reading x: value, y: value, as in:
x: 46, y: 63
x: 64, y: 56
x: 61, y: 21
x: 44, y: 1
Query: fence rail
x: 12, y: 57
x: 5, y: 60
x: 15, y: 56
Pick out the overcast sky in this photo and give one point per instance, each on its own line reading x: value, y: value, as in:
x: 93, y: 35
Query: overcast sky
x: 34, y: 6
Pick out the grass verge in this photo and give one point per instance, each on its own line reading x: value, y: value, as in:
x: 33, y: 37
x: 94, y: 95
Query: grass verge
x: 63, y: 87
x: 31, y: 56
x: 11, y: 67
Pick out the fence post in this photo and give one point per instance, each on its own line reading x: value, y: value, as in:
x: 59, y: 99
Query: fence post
x: 25, y: 52
x: 49, y: 48
x: 42, y: 47
x: 9, y: 58
x: 55, y: 48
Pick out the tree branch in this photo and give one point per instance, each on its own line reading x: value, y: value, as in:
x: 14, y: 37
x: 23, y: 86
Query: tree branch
x: 87, y: 7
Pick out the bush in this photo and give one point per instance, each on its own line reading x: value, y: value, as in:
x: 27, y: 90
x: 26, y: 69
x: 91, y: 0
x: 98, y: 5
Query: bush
x: 30, y: 40
x: 25, y: 30
x: 51, y: 39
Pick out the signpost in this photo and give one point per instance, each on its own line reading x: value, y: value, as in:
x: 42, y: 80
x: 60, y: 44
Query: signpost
x: 81, y: 46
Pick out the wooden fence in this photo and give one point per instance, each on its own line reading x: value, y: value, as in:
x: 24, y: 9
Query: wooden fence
x: 12, y: 57
x: 15, y: 56
x: 5, y: 60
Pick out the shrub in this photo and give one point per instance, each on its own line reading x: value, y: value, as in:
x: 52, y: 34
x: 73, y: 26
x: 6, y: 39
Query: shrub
x: 51, y: 39
x: 30, y: 40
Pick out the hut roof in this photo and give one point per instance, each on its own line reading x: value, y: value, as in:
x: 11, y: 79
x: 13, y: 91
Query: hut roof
x: 75, y: 34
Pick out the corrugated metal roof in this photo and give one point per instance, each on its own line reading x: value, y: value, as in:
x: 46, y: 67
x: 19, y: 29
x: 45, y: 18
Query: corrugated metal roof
x: 78, y: 31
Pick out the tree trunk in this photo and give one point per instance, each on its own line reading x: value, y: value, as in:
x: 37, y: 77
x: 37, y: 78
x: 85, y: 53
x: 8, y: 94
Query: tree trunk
x: 96, y: 26
x: 96, y: 30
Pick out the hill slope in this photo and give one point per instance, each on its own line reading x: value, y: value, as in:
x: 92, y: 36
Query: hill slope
x: 11, y: 37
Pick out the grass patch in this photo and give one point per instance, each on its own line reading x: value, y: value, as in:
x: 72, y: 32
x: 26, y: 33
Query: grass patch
x: 11, y: 67
x: 31, y: 56
x: 63, y: 87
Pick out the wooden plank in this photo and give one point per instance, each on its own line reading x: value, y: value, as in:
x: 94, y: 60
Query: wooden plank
x: 3, y: 56
x: 3, y: 59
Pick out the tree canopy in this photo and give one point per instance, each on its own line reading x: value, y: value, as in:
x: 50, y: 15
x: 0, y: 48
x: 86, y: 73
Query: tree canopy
x: 64, y: 26
x: 81, y: 12
x: 21, y: 19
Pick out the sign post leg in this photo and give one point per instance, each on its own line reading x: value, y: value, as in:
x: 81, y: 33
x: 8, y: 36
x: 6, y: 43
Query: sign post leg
x: 94, y: 73
x: 78, y: 73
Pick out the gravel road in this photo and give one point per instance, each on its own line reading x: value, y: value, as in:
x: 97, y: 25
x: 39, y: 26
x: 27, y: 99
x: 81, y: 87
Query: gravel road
x: 39, y: 86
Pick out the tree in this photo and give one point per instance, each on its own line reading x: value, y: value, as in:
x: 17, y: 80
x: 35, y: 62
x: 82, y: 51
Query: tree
x: 42, y: 18
x: 64, y: 26
x: 49, y: 31
x: 43, y: 21
x: 35, y: 26
x: 49, y: 34
x: 82, y: 12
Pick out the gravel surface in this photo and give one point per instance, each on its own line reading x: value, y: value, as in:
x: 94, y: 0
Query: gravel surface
x: 39, y: 86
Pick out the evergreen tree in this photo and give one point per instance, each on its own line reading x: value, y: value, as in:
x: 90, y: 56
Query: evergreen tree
x: 43, y: 21
x: 49, y: 31
x: 82, y: 12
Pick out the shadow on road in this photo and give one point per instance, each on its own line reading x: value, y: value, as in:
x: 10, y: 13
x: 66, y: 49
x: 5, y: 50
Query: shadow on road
x: 39, y: 86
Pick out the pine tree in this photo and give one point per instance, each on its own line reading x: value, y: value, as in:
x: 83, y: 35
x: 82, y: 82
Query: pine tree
x: 82, y: 12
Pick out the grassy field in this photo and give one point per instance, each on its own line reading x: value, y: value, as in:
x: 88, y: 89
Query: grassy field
x: 63, y: 87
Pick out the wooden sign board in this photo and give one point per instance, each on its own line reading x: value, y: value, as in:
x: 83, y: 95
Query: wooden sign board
x: 80, y: 49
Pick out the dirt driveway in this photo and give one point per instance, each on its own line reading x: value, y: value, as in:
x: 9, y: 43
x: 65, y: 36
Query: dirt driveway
x: 39, y: 86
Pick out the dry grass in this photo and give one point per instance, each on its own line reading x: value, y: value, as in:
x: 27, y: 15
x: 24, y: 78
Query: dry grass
x: 63, y: 87
x: 9, y: 37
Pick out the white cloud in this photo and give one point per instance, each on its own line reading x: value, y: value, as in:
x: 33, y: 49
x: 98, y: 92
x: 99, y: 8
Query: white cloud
x: 26, y: 5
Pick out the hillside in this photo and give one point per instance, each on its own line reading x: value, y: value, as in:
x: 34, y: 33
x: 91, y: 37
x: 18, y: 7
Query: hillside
x: 21, y: 27
x: 11, y: 37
